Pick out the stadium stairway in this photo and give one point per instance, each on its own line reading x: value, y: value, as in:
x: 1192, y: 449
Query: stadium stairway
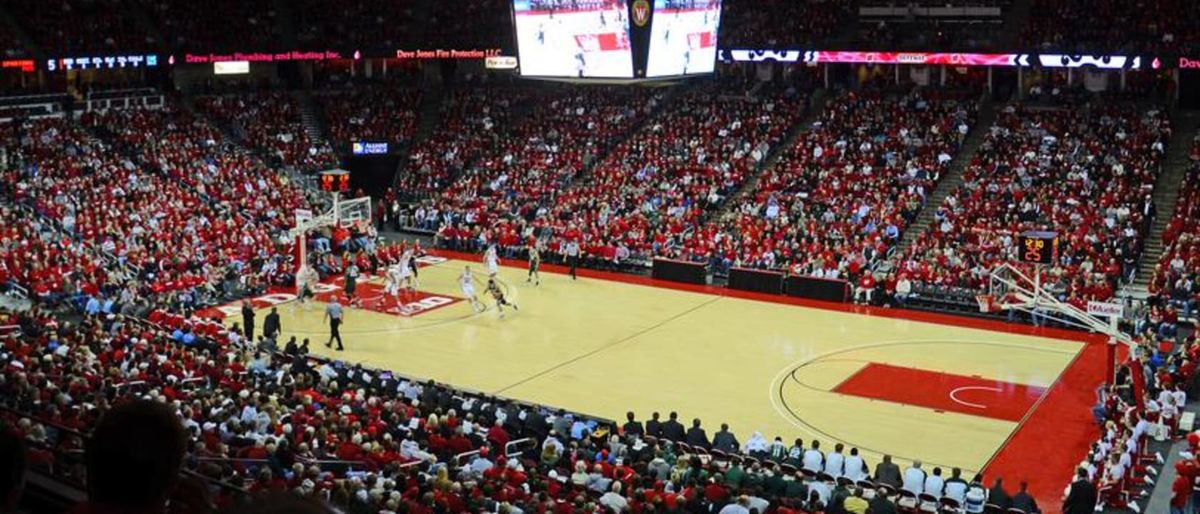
x: 1166, y: 194
x: 310, y: 116
x: 429, y: 116
x: 429, y: 113
x: 816, y: 108
x: 953, y: 178
x: 668, y: 99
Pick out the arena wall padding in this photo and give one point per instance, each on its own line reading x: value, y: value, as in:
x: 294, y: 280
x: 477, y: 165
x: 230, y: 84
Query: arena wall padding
x: 760, y: 281
x: 818, y: 289
x: 680, y: 271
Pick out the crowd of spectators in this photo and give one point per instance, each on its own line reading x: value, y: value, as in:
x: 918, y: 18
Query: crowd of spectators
x: 78, y: 27
x: 527, y: 168
x: 841, y: 196
x: 471, y: 121
x: 376, y: 26
x: 11, y: 46
x: 470, y: 24
x: 1113, y: 26
x: 188, y: 149
x: 1175, y: 279
x: 155, y: 206
x: 260, y: 419
x: 216, y: 25
x: 1120, y: 463
x: 1086, y: 172
x: 38, y: 258
x: 383, y: 112
x: 661, y: 182
x: 782, y: 23
x: 271, y: 122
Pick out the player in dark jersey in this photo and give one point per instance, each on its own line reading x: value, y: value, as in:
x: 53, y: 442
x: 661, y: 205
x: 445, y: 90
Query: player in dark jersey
x: 351, y: 284
x: 497, y: 294
x: 535, y: 260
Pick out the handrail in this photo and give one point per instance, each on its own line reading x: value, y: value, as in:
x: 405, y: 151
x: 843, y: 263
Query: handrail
x: 459, y: 458
x: 130, y: 384
x: 318, y: 462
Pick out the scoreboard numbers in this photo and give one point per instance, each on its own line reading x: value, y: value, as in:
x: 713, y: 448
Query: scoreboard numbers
x: 1038, y: 247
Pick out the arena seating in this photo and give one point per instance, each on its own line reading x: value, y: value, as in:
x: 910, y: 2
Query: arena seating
x: 1175, y: 275
x: 271, y: 122
x: 663, y: 180
x: 1113, y: 26
x: 383, y: 112
x: 541, y: 156
x: 471, y: 120
x: 121, y: 202
x: 49, y: 266
x: 1083, y: 172
x: 781, y: 23
x: 191, y: 151
x: 363, y: 25
x: 221, y: 210
x: 10, y: 46
x: 1120, y: 462
x: 76, y: 27
x: 470, y: 24
x: 261, y: 420
x: 842, y: 194
x: 216, y: 25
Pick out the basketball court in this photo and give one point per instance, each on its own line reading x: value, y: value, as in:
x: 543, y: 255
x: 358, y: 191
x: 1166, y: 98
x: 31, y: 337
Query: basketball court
x: 914, y: 385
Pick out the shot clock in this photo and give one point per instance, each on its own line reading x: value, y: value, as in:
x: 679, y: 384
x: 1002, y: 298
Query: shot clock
x: 1038, y: 247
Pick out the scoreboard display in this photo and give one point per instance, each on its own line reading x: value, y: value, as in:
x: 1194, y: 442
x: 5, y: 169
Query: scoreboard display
x: 616, y: 39
x: 683, y: 40
x: 588, y: 39
x: 1038, y: 247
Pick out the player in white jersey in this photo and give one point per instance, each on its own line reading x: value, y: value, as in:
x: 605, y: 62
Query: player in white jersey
x: 466, y: 282
x: 392, y: 283
x: 492, y: 261
x: 406, y: 271
x: 307, y: 281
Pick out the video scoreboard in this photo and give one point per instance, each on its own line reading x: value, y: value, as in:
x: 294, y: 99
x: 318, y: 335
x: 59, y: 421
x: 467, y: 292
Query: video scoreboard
x: 616, y: 39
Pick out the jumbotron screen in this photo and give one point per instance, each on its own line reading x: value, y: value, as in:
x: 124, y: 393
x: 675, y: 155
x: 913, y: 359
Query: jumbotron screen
x: 573, y: 38
x: 683, y: 39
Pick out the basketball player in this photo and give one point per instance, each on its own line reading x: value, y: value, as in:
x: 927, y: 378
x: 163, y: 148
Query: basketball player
x: 351, y: 283
x: 407, y: 281
x: 308, y: 281
x: 535, y: 259
x: 392, y: 284
x: 498, y: 295
x: 412, y: 264
x: 466, y: 282
x: 492, y: 261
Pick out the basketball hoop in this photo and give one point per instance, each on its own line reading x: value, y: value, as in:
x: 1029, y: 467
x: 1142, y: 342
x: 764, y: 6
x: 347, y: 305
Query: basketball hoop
x: 987, y: 303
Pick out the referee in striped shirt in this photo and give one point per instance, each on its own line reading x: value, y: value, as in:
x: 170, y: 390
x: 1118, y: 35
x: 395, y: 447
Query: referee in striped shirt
x: 572, y: 251
x: 333, y: 312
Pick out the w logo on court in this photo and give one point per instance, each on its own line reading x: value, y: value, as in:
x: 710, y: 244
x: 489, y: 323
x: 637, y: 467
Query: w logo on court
x: 641, y: 12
